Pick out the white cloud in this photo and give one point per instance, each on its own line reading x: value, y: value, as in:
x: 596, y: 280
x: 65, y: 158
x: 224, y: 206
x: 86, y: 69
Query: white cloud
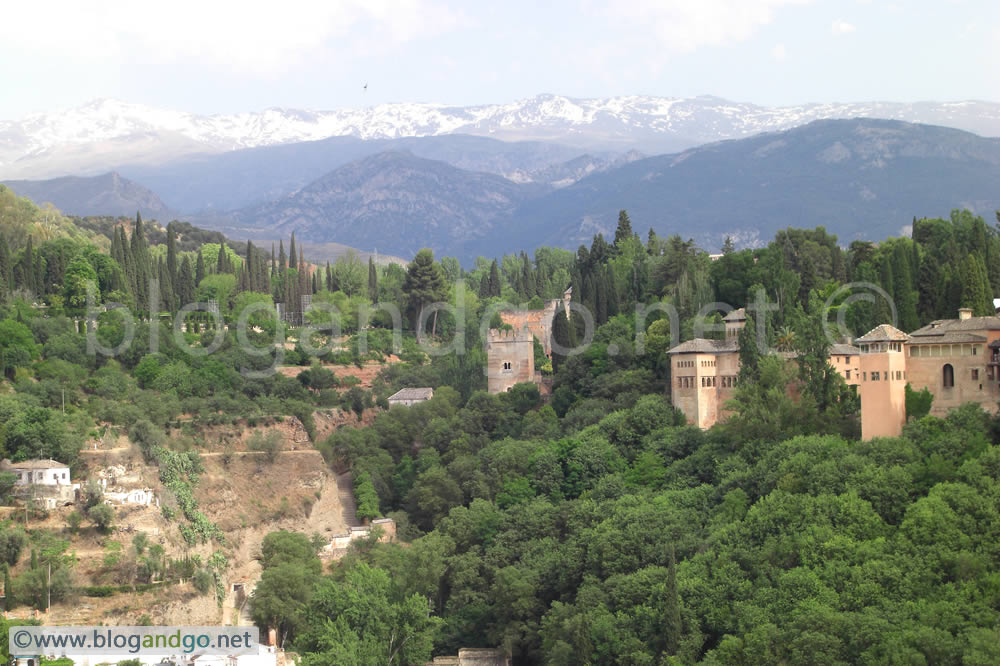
x: 246, y: 35
x: 778, y: 52
x: 684, y: 26
x: 841, y: 27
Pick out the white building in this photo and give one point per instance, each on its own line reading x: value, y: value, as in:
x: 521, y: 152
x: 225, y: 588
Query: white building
x: 38, y: 472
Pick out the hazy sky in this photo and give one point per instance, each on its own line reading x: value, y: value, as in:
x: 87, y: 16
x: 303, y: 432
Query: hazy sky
x: 212, y: 56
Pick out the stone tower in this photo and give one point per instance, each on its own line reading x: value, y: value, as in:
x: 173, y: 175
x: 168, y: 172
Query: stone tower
x: 883, y: 382
x: 510, y: 359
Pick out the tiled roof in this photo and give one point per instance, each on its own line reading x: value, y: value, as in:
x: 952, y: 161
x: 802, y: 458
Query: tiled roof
x: 844, y: 350
x: 883, y: 333
x: 736, y: 315
x: 35, y: 464
x: 413, y: 394
x: 956, y: 325
x: 703, y: 346
x: 945, y: 337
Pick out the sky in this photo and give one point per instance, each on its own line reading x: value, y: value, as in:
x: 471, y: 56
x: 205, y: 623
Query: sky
x: 219, y: 56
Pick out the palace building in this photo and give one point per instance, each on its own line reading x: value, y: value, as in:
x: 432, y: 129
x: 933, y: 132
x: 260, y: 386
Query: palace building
x: 957, y: 360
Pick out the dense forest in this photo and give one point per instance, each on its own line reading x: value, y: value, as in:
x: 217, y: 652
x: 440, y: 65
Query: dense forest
x: 589, y: 527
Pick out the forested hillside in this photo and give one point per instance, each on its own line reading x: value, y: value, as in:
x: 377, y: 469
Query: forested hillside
x: 589, y: 526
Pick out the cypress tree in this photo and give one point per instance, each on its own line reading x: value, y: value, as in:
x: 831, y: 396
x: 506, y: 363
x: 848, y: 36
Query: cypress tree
x: 562, y: 334
x: 199, y: 271
x: 221, y: 263
x: 315, y: 287
x: 250, y: 268
x: 495, y: 284
x: 28, y: 270
x: 6, y: 269
x: 304, y: 282
x: 282, y: 262
x: 166, y: 285
x: 372, y: 281
x: 484, y: 286
x: 291, y: 254
x: 329, y: 277
x: 172, y: 252
x: 142, y: 267
x: 272, y: 261
x: 749, y: 351
x: 185, y: 283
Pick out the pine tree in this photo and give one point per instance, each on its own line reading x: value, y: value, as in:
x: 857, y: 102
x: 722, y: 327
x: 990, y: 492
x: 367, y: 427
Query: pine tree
x: 372, y: 281
x: 672, y: 613
x: 624, y: 230
x: 424, y: 285
x: 728, y: 247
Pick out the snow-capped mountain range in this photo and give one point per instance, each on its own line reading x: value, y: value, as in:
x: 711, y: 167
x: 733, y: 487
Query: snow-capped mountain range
x: 106, y: 132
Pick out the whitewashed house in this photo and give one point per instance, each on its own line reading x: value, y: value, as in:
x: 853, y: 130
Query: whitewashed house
x: 410, y: 396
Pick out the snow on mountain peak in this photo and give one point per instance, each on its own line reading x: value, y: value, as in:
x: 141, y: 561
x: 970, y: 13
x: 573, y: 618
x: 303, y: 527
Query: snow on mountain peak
x: 652, y: 124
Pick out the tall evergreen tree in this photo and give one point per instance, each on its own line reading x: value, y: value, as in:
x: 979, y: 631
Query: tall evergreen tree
x: 372, y: 281
x: 28, y: 270
x: 185, y: 283
x: 142, y: 266
x: 563, y: 335
x: 292, y: 260
x: 199, y: 271
x: 282, y: 261
x: 624, y: 230
x: 424, y: 285
x: 172, y: 252
x: 749, y: 352
x: 329, y: 277
x: 495, y: 284
x: 6, y: 267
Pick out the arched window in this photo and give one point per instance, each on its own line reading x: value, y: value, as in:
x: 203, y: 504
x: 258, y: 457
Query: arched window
x: 948, y: 375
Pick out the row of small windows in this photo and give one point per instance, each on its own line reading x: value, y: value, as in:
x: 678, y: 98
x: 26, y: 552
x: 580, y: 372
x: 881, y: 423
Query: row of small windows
x: 685, y: 364
x: 708, y: 364
x: 727, y: 381
x: 944, y: 350
x: 878, y: 375
x: 881, y: 347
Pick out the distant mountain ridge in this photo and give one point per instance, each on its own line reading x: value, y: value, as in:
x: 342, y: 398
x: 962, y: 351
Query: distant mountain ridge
x: 78, y: 140
x: 106, y: 194
x: 393, y: 201
x: 861, y: 179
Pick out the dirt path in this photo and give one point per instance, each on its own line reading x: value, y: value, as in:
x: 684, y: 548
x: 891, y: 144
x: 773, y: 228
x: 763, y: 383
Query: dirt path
x: 348, y: 507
